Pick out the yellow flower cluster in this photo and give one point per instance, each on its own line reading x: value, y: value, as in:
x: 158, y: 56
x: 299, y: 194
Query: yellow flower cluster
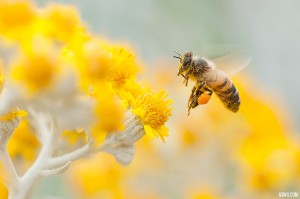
x: 269, y: 150
x: 108, y: 177
x: 54, y: 43
x: 265, y: 150
x: 253, y: 152
x: 47, y: 46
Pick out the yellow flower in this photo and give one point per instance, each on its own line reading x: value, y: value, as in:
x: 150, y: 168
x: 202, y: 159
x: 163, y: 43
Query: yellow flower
x: 189, y: 137
x: 154, y: 111
x: 12, y: 115
x: 268, y: 129
x: 130, y: 91
x: 37, y: 66
x: 15, y: 18
x: 194, y: 191
x: 108, y: 110
x: 61, y: 21
x: 98, y: 60
x: 95, y: 181
x: 124, y: 66
x: 92, y: 61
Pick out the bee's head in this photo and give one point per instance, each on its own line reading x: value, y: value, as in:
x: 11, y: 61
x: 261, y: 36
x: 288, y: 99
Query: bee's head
x: 184, y: 62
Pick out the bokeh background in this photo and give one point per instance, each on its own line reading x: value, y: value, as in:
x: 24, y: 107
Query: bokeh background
x: 212, y: 153
x: 269, y: 29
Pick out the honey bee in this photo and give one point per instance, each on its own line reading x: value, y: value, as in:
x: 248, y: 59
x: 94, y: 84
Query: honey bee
x: 209, y: 78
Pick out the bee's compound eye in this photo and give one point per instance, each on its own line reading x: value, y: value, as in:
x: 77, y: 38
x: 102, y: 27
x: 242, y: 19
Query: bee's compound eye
x: 186, y: 60
x: 204, y: 98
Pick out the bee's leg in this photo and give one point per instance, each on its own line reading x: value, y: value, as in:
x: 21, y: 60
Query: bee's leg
x: 191, y: 96
x: 198, y: 87
x: 201, y: 85
x: 196, y: 93
x: 193, y: 100
x: 192, y: 103
x: 189, y: 110
x: 210, y: 91
x: 186, y: 81
x: 187, y: 74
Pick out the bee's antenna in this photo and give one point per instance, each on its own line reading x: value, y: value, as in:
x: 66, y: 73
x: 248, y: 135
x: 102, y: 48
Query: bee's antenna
x: 177, y: 54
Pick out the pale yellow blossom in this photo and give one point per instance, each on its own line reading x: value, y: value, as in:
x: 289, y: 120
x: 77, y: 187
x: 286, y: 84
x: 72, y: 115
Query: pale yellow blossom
x: 16, y: 17
x: 61, y: 21
x: 37, y: 66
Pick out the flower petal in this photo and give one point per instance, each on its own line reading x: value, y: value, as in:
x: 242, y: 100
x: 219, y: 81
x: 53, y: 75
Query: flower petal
x: 163, y: 132
x: 150, y: 131
x: 21, y: 113
x: 138, y: 111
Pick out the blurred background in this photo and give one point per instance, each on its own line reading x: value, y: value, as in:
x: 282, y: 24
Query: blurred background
x: 213, y: 153
x: 155, y: 28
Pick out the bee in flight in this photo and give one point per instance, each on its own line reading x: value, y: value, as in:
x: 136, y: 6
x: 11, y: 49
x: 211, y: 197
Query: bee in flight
x: 209, y: 77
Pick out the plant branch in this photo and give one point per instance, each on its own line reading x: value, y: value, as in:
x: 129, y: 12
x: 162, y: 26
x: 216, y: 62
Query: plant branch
x: 12, y: 177
x: 69, y: 157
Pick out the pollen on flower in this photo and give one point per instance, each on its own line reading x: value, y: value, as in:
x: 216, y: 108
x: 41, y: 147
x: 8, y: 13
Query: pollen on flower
x: 154, y: 111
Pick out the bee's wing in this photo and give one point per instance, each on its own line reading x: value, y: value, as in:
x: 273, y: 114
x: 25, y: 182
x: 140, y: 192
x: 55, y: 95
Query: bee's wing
x: 233, y: 62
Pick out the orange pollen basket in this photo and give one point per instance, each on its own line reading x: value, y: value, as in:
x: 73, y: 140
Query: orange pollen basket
x: 204, y: 98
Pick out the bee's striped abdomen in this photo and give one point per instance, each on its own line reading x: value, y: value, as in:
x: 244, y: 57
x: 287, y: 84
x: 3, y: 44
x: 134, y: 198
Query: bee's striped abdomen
x: 224, y: 89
